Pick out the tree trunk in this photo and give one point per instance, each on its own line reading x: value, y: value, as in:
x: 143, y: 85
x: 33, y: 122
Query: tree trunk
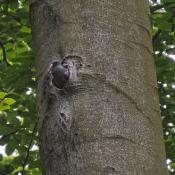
x: 106, y: 119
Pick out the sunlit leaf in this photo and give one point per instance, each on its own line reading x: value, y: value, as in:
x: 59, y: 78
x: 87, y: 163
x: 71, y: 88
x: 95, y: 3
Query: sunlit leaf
x: 2, y: 95
x: 9, y: 101
x: 4, y: 107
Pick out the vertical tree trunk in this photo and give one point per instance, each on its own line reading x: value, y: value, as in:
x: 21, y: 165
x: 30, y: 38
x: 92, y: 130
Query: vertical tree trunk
x: 106, y: 120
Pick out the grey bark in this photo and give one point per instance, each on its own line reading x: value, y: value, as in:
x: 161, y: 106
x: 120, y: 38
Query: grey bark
x: 108, y: 122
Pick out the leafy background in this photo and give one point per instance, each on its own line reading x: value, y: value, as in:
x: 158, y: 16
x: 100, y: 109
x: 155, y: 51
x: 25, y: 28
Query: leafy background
x: 18, y: 118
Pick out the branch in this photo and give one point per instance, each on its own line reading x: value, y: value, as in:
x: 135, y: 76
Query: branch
x: 4, y: 58
x: 9, y: 134
x: 28, y: 150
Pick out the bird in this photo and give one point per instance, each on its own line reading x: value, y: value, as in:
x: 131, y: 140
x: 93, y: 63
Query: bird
x: 60, y: 73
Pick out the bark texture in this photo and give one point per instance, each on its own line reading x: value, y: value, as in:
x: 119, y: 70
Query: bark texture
x: 107, y: 122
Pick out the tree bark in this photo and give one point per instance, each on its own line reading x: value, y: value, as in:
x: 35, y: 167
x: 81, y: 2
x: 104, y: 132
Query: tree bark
x: 107, y: 120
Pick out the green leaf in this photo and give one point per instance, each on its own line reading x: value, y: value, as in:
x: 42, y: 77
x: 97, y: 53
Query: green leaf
x: 25, y: 29
x: 9, y: 101
x: 17, y: 161
x: 10, y: 148
x: 6, y: 129
x: 2, y: 94
x: 13, y: 4
x: 3, y: 120
x: 12, y: 119
x: 36, y: 171
x: 164, y: 25
x: 3, y: 108
x: 22, y: 150
x: 168, y: 1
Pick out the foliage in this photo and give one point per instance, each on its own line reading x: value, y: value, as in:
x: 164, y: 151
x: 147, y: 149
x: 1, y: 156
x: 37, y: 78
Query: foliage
x: 18, y: 118
x: 17, y: 84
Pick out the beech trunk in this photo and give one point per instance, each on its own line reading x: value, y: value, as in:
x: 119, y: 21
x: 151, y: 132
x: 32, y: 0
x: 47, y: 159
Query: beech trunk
x: 108, y: 122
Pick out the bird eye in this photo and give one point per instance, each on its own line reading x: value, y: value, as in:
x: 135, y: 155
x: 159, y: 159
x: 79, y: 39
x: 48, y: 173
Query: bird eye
x: 55, y: 63
x: 65, y: 65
